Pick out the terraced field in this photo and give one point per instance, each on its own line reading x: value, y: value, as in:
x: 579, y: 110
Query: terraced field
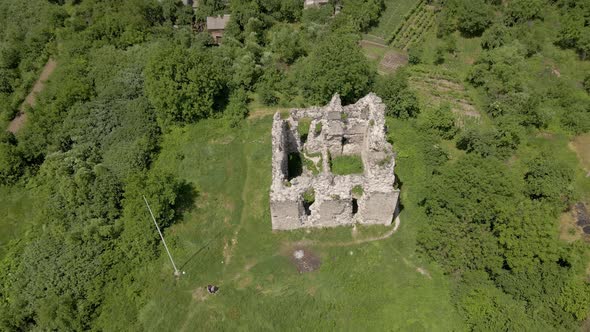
x: 392, y: 17
x: 412, y: 29
x: 436, y: 86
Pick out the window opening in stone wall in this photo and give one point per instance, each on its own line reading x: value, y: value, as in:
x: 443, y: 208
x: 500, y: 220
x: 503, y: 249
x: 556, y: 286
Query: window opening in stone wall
x: 308, y: 200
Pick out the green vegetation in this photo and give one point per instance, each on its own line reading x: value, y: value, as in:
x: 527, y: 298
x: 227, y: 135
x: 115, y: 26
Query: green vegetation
x: 314, y: 167
x: 318, y: 128
x: 411, y: 31
x: 309, y: 196
x: 346, y: 164
x: 400, y: 100
x: 141, y: 104
x: 396, y: 11
x: 357, y: 191
x: 26, y: 41
x: 303, y: 128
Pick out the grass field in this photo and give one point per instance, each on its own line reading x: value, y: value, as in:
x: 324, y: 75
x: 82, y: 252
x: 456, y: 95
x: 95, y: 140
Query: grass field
x: 227, y: 240
x: 392, y: 17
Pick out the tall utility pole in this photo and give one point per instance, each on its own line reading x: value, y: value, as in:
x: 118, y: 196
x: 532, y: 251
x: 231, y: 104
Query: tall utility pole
x: 176, y: 272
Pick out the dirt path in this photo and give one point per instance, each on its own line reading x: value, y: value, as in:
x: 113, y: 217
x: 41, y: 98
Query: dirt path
x: 31, y: 100
x: 384, y: 236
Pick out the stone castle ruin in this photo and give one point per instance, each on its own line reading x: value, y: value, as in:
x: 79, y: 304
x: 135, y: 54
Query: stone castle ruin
x: 332, y: 166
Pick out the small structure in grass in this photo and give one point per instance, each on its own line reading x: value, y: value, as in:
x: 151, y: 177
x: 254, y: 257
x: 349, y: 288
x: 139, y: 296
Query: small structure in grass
x: 332, y: 166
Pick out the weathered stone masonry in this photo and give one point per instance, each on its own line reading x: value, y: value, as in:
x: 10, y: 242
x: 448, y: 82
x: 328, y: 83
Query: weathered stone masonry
x: 357, y: 129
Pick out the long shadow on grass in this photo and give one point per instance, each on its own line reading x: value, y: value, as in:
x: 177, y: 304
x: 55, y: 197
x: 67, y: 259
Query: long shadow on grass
x: 216, y: 237
x: 186, y: 197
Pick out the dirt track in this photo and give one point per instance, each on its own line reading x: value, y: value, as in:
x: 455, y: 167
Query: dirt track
x: 31, y: 99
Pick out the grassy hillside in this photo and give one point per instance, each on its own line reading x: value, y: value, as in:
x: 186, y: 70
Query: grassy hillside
x: 227, y: 240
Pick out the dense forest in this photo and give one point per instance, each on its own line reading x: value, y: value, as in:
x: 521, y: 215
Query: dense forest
x: 131, y: 72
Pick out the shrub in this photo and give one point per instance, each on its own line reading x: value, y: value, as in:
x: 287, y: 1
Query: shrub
x: 303, y: 128
x: 309, y: 196
x: 357, y: 191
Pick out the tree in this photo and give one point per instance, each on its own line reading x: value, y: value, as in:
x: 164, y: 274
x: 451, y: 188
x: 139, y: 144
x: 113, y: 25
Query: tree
x: 183, y: 84
x: 363, y: 13
x: 11, y: 162
x: 586, y: 83
x: 335, y: 65
x: 548, y: 180
x: 394, y: 89
x: 237, y: 108
x: 441, y: 122
x: 474, y: 16
x: 285, y: 43
x: 497, y: 35
x: 522, y: 11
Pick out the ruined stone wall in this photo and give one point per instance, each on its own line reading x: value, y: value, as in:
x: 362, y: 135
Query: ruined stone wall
x: 353, y: 129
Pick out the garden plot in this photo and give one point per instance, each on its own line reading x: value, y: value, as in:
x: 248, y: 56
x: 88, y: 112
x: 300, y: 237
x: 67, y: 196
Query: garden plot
x: 439, y: 88
x: 420, y: 19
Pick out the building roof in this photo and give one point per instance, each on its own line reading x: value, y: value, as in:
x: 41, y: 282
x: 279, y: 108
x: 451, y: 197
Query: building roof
x: 217, y: 22
x: 311, y: 3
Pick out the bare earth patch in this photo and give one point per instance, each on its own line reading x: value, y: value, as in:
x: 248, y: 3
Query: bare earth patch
x: 575, y: 223
x: 568, y: 231
x: 392, y: 61
x: 305, y: 260
x: 200, y: 294
x: 581, y: 146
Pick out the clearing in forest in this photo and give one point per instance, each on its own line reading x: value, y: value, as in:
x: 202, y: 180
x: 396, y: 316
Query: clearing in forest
x: 321, y: 279
x: 31, y: 99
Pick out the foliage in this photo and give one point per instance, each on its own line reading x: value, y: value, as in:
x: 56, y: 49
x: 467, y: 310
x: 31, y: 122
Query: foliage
x: 358, y: 191
x: 497, y: 35
x: 548, y: 180
x: 522, y: 11
x: 237, y: 108
x: 415, y: 54
x: 473, y: 16
x: 346, y: 164
x: 183, y: 84
x: 285, y: 43
x: 335, y: 65
x: 394, y: 89
x: 362, y: 13
x: 574, y: 30
x: 441, y: 122
x: 11, y: 161
x: 309, y: 196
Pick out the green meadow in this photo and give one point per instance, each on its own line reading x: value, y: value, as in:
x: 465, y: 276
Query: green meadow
x: 226, y: 240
